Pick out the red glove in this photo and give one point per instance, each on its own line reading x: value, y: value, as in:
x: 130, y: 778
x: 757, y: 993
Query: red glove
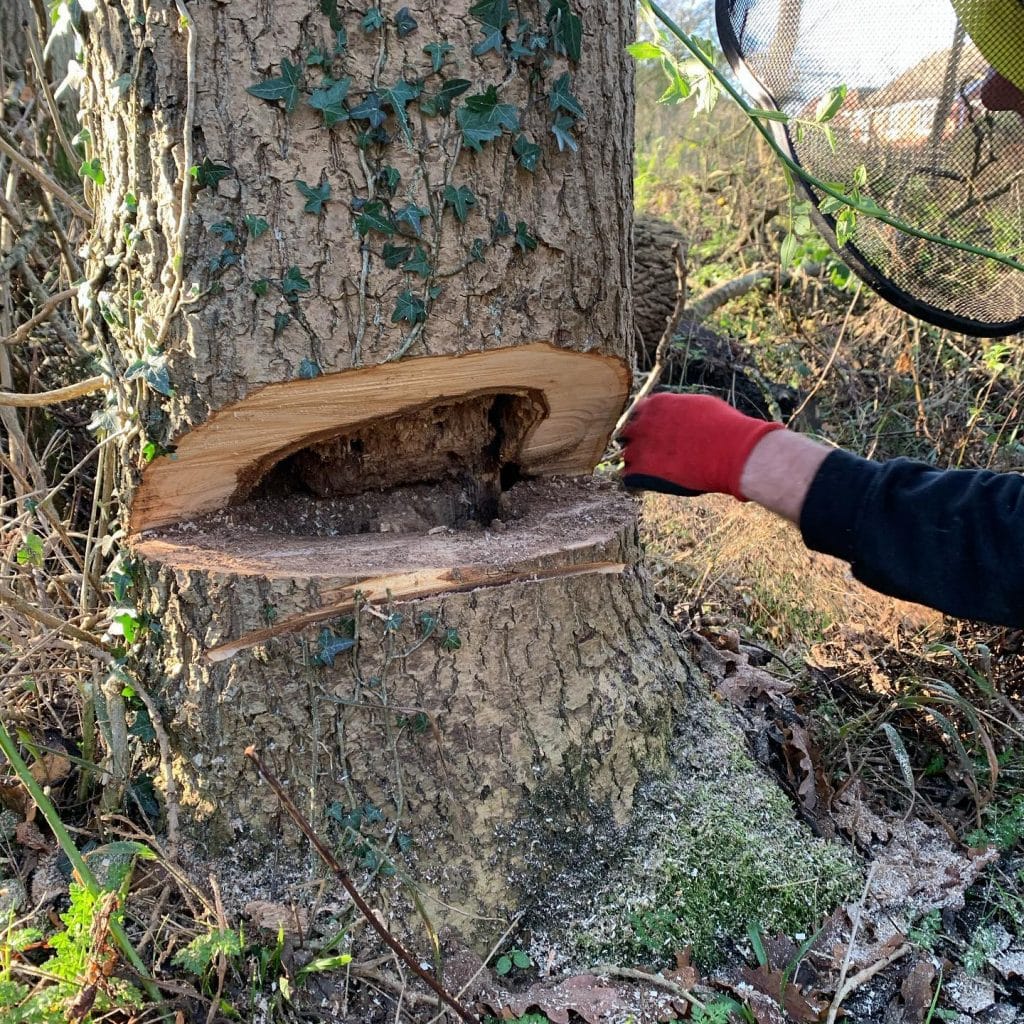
x: 689, y: 444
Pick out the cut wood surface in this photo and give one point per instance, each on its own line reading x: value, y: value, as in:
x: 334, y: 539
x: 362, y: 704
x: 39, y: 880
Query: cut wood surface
x: 550, y: 523
x: 219, y: 461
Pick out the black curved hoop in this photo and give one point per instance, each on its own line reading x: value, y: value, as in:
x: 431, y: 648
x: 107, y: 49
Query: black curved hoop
x: 826, y: 224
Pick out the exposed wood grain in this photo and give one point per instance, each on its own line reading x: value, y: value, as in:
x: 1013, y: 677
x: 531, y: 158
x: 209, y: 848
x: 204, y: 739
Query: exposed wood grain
x: 584, y: 393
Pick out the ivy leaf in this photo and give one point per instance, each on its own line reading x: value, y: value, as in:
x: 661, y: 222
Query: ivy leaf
x: 209, y: 173
x: 561, y: 128
x: 316, y: 56
x: 329, y: 646
x: 260, y: 287
x: 501, y: 227
x: 437, y: 53
x: 369, y: 110
x: 340, y: 41
x: 524, y: 239
x: 330, y: 8
x: 330, y: 101
x: 152, y: 368
x: 460, y: 200
x: 256, y: 226
x: 397, y: 97
x: 482, y: 118
x: 419, y: 264
x: 224, y: 230
x: 410, y: 308
x: 527, y: 153
x: 280, y: 322
x: 562, y: 98
x: 644, y: 50
x: 315, y: 197
x: 396, y: 255
x: 389, y: 177
x: 412, y: 215
x: 93, y: 170
x: 373, y: 217
x: 405, y: 23
x: 494, y: 15
x: 287, y: 87
x: 308, y: 369
x: 441, y: 101
x: 566, y: 29
x: 372, y: 20
x: 292, y: 284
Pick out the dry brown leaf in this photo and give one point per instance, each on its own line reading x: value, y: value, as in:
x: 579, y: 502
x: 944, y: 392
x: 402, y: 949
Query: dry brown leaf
x: 27, y: 834
x: 51, y: 769
x: 772, y: 983
x: 852, y: 815
x: 764, y: 1008
x: 585, y: 995
x: 684, y: 974
x: 917, y: 991
x: 15, y: 797
x: 275, y: 916
x: 797, y: 749
x: 743, y: 682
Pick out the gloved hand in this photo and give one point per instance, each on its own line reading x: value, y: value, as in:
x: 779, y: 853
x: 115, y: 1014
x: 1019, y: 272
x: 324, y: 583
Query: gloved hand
x: 689, y: 444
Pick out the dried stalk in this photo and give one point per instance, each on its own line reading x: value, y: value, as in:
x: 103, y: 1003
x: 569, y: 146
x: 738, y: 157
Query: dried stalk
x: 364, y: 908
x: 65, y: 394
x: 44, y: 180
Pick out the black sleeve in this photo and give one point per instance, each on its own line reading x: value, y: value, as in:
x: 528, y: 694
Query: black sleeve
x: 950, y: 539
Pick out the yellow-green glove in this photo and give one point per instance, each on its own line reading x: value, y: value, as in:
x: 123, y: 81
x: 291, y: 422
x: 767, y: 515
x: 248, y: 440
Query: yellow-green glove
x: 997, y: 28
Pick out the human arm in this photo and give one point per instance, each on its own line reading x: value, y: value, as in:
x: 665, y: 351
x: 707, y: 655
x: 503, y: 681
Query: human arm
x: 952, y: 539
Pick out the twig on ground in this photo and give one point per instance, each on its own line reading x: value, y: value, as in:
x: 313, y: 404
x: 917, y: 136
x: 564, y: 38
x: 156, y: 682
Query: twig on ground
x: 657, y: 980
x: 848, y: 957
x: 863, y: 976
x: 476, y: 974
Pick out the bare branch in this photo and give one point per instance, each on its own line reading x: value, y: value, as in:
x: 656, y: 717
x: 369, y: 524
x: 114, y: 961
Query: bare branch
x: 65, y: 394
x: 44, y: 180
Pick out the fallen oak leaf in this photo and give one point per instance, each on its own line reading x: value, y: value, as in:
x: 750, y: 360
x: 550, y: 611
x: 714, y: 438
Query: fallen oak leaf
x: 585, y: 995
x: 788, y: 995
x: 27, y: 834
x: 51, y: 769
x: 916, y: 991
x: 797, y: 750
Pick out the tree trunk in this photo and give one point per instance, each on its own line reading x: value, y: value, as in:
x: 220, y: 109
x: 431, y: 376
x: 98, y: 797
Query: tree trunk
x: 365, y: 362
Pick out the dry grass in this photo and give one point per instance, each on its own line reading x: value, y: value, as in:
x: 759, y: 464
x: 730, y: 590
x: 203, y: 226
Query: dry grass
x: 719, y: 560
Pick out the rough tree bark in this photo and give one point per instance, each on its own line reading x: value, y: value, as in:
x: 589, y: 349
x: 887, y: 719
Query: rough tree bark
x: 363, y: 364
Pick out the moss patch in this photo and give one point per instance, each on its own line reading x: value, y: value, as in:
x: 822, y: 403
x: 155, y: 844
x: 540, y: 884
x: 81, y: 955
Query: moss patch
x: 714, y: 846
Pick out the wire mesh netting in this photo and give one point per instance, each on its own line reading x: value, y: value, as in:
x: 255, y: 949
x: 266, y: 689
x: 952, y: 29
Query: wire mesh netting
x: 938, y: 130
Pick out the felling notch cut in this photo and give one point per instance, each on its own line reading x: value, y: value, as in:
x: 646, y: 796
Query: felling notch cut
x: 219, y: 462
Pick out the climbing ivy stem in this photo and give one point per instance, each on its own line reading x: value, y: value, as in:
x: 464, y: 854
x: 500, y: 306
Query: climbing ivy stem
x: 177, y: 254
x: 759, y: 119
